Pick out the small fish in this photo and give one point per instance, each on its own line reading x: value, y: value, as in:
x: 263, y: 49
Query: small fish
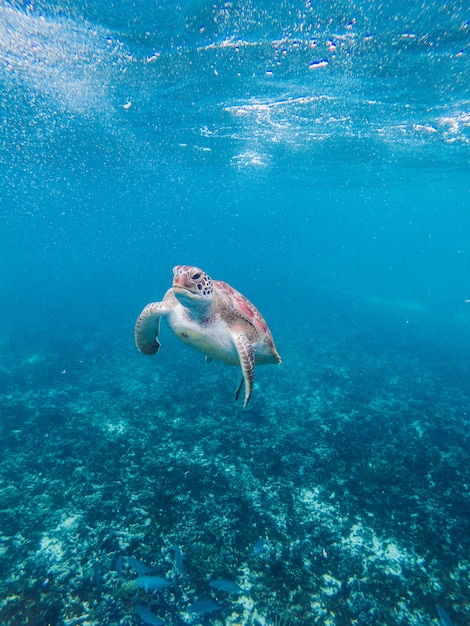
x: 225, y: 585
x: 445, y: 619
x: 138, y: 566
x: 152, y: 583
x: 259, y: 546
x: 179, y: 560
x: 118, y: 566
x: 204, y: 606
x: 147, y: 616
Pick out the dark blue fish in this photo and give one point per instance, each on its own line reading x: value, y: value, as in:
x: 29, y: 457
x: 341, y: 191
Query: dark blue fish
x: 225, y: 585
x: 259, y: 546
x: 204, y: 606
x: 179, y: 560
x: 147, y: 616
x: 118, y: 566
x: 445, y: 619
x: 138, y: 566
x: 152, y: 583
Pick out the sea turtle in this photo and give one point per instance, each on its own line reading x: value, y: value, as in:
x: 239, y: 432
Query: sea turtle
x: 212, y: 317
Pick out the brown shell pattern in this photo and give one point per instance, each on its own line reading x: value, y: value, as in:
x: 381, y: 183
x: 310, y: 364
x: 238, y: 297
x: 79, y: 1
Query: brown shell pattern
x: 243, y: 307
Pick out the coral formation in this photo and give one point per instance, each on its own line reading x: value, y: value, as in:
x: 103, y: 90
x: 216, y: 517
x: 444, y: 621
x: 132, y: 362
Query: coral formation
x: 352, y: 466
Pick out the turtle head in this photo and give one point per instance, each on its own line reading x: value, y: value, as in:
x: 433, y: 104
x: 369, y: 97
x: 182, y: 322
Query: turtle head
x: 191, y: 286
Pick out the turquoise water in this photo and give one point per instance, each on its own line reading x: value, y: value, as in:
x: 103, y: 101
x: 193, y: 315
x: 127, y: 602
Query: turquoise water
x: 316, y: 158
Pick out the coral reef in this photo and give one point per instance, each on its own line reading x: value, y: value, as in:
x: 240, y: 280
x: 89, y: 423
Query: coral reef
x: 352, y: 465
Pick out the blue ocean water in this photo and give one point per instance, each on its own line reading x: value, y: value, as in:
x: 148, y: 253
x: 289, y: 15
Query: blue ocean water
x: 315, y: 156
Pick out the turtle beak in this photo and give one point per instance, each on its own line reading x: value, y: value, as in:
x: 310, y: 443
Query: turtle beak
x: 181, y: 281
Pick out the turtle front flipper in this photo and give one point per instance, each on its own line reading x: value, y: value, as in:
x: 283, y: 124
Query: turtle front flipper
x: 246, y: 354
x: 147, y: 328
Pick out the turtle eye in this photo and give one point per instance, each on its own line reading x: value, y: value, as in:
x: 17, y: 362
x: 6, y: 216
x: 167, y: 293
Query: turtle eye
x: 197, y: 276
